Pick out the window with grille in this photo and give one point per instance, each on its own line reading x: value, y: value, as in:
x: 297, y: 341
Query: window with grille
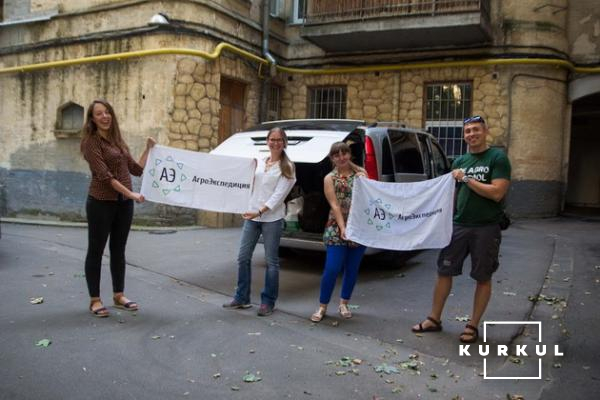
x: 327, y: 102
x: 447, y: 105
x: 274, y: 103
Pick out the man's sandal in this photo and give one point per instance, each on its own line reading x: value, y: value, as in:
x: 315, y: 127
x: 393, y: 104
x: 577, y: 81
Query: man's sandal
x: 468, y: 336
x: 100, y: 312
x: 129, y: 306
x: 436, y: 327
x: 319, y: 314
x: 345, y: 311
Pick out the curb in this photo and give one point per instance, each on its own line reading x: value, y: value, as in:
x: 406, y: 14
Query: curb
x: 70, y: 224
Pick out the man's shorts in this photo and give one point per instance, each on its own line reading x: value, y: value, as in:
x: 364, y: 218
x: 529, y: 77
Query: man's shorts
x: 481, y: 242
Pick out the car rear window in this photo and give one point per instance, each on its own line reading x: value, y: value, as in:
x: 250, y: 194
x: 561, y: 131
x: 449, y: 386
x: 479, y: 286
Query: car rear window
x: 407, y: 153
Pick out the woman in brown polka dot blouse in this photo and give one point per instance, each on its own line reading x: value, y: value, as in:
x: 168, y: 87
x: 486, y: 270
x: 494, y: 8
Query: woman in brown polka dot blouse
x: 109, y: 205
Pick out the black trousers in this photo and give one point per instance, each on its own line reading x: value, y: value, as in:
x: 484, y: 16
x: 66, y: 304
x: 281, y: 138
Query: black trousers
x: 107, y: 219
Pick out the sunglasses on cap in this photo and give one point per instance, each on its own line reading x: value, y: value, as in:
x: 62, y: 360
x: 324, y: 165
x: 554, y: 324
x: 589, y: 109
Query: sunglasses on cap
x: 474, y: 118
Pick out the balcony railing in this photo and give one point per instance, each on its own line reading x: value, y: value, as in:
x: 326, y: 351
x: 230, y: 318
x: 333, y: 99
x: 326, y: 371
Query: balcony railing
x: 327, y: 11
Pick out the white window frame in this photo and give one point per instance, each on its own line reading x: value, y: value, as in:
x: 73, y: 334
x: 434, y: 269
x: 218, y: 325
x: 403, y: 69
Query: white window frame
x: 276, y: 8
x: 296, y: 12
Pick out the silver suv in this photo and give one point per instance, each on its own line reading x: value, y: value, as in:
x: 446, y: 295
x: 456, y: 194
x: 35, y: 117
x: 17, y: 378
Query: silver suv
x: 389, y: 152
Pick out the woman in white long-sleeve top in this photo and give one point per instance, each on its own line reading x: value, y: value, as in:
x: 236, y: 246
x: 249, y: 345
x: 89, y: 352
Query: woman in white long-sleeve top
x: 273, y: 180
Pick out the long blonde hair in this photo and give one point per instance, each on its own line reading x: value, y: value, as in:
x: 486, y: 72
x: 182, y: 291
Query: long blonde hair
x: 342, y: 147
x: 286, y: 165
x: 114, y: 133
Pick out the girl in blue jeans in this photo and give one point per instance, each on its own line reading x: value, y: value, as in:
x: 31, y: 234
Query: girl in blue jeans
x: 342, y: 255
x: 273, y: 180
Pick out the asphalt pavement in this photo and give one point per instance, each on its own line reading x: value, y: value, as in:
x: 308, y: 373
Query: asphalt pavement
x: 183, y: 344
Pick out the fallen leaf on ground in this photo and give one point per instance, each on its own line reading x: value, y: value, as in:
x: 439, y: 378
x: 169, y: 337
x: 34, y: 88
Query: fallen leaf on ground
x: 357, y: 361
x: 412, y: 364
x: 217, y: 375
x: 235, y: 388
x: 155, y: 337
x: 340, y: 373
x: 36, y: 300
x: 515, y: 360
x: 464, y: 318
x: 251, y: 378
x: 344, y: 362
x: 254, y: 333
x: 418, y: 334
x: 386, y: 369
x: 509, y: 293
x: 353, y: 306
x: 43, y: 343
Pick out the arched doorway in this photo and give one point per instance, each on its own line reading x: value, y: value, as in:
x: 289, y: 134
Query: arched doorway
x: 583, y: 185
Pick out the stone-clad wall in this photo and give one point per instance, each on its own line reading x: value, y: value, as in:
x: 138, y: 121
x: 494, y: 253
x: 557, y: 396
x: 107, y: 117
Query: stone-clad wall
x: 194, y: 121
x: 195, y: 115
x: 399, y: 96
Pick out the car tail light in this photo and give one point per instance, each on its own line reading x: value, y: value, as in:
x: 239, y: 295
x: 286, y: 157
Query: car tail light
x: 370, y: 159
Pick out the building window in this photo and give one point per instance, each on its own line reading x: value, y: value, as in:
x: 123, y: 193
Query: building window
x: 69, y: 120
x: 276, y: 8
x: 328, y: 102
x: 447, y: 105
x: 274, y: 103
x: 298, y: 11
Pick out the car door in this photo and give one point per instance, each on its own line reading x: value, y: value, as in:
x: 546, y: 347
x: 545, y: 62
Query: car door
x: 440, y: 162
x: 409, y: 165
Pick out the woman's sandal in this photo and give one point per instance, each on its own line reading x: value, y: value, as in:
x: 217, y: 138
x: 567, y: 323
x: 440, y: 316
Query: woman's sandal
x: 319, y: 314
x: 100, y: 312
x: 471, y: 337
x: 436, y: 327
x: 345, y: 311
x: 129, y: 306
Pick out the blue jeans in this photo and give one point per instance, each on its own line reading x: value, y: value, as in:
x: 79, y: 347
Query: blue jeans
x: 271, y: 232
x: 340, y: 258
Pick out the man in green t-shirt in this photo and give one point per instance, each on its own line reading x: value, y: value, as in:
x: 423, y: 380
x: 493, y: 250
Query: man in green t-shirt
x: 484, y: 176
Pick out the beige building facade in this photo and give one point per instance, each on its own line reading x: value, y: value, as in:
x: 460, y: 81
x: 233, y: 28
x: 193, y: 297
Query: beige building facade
x: 192, y: 72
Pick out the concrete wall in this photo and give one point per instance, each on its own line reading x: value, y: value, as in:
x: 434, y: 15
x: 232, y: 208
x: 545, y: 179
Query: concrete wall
x: 584, y: 31
x: 46, y: 174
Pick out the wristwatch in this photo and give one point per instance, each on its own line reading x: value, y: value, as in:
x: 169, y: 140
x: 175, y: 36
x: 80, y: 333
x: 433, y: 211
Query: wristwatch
x: 465, y: 179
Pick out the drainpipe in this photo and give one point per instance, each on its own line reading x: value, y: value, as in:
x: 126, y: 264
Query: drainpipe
x: 266, y: 82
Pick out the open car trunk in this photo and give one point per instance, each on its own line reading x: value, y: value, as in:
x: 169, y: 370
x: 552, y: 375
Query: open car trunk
x: 307, y: 208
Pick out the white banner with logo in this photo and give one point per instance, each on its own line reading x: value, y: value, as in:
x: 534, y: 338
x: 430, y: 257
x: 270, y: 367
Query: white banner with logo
x: 198, y: 180
x: 402, y: 216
